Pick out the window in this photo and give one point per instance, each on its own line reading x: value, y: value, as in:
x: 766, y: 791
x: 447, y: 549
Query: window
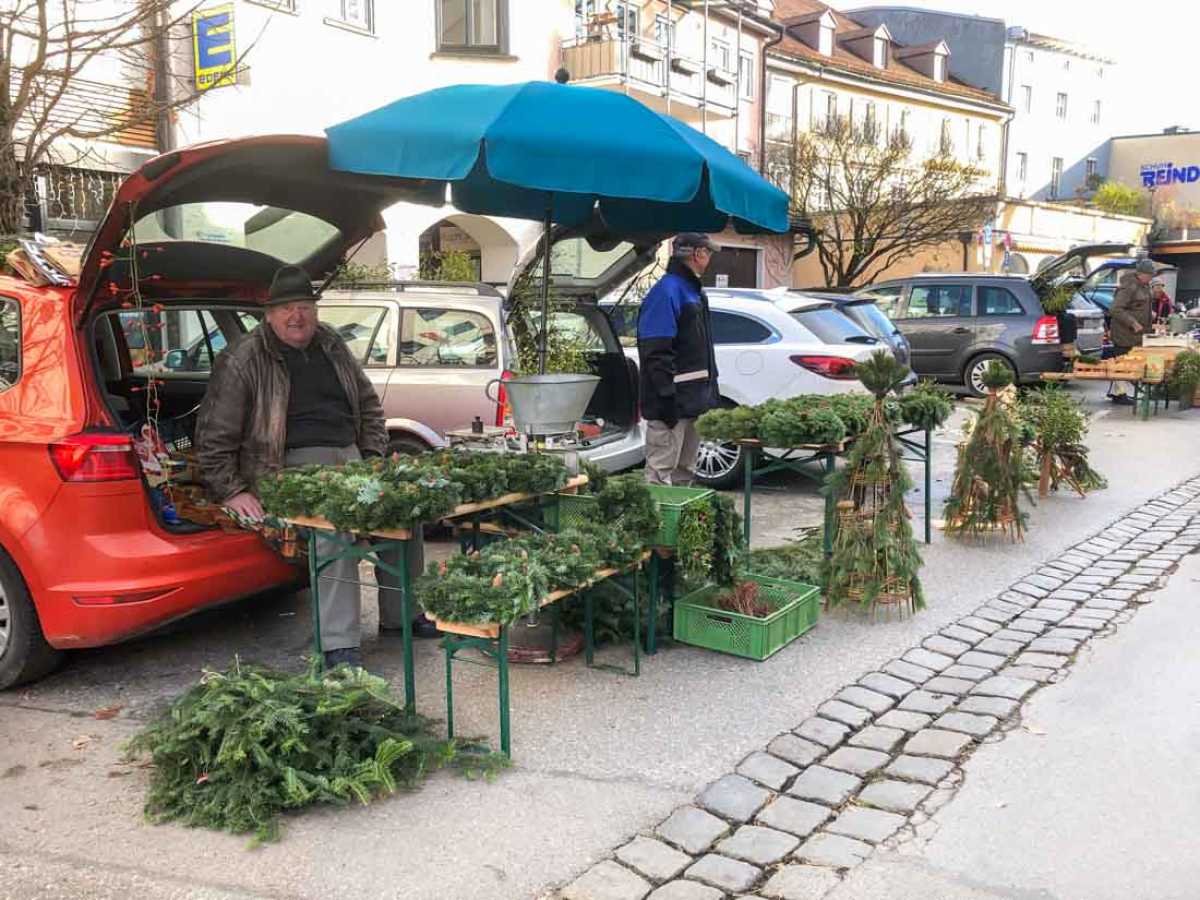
x: 730, y: 328
x: 825, y: 41
x: 1060, y: 106
x: 886, y: 297
x: 1066, y: 65
x: 1055, y: 175
x: 1099, y: 71
x: 1028, y: 56
x: 286, y: 5
x: 945, y: 142
x: 180, y: 341
x: 830, y: 110
x: 879, y: 52
x: 829, y: 325
x: 718, y: 54
x: 1027, y: 97
x: 449, y: 338
x: 629, y: 19
x: 981, y: 143
x: 364, y: 330
x: 1022, y: 167
x: 10, y: 343
x: 998, y: 301
x: 926, y: 301
x: 870, y: 124
x: 664, y: 32
x: 78, y: 195
x: 472, y: 25
x: 939, y: 67
x: 358, y: 14
x: 746, y: 75
x: 1089, y: 171
x: 904, y: 132
x: 1095, y: 117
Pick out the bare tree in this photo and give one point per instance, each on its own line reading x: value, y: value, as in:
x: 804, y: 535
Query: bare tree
x: 47, y: 50
x: 871, y: 202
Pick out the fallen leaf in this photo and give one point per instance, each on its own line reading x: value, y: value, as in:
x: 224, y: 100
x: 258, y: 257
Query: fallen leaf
x: 108, y: 712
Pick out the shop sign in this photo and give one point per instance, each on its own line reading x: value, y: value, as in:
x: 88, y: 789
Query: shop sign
x: 213, y: 49
x: 1158, y: 174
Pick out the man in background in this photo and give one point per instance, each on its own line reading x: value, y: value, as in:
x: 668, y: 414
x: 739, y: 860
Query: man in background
x: 1131, y: 318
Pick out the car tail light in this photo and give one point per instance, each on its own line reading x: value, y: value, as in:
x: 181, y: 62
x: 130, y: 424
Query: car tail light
x: 95, y: 457
x: 1046, y: 330
x: 114, y: 599
x: 503, y: 410
x: 839, y: 368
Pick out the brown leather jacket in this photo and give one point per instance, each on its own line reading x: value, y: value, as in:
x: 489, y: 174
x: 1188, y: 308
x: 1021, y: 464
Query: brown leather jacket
x: 1130, y: 306
x: 242, y: 426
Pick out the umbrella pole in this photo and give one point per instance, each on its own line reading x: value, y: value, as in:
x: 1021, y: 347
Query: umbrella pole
x: 545, y: 335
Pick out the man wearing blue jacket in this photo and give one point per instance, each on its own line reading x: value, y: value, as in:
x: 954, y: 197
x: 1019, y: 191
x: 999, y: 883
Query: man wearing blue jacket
x: 677, y: 362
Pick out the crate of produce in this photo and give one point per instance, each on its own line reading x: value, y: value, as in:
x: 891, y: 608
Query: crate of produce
x: 701, y: 622
x: 566, y: 510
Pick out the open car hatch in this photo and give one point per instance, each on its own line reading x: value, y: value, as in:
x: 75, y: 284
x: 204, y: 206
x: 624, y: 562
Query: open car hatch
x: 218, y: 219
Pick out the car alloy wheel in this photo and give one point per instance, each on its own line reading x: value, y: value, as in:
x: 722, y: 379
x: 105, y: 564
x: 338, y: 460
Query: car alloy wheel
x: 716, y: 461
x: 5, y: 620
x: 975, y: 380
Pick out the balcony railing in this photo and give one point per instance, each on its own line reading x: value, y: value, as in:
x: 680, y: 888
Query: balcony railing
x: 646, y: 66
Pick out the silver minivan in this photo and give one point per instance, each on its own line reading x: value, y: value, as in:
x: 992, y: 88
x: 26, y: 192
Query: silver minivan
x: 432, y: 348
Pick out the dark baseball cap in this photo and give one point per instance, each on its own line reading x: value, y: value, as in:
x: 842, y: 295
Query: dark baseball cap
x: 691, y: 240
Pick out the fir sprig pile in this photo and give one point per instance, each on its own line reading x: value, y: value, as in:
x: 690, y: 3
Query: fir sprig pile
x: 245, y: 745
x: 926, y: 406
x: 1059, y: 425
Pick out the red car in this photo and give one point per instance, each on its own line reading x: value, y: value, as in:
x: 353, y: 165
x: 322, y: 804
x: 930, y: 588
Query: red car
x: 89, y: 552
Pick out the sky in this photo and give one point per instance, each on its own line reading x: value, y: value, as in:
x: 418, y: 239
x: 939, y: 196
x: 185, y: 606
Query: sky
x: 1153, y: 41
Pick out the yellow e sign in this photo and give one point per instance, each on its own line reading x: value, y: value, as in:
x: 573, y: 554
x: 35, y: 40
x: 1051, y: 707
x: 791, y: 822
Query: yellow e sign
x: 213, y: 47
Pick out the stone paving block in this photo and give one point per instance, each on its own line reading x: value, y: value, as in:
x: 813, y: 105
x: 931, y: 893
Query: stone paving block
x: 977, y: 624
x: 1046, y: 582
x: 1021, y: 601
x: 1118, y: 594
x: 1028, y: 625
x: 795, y: 750
x: 1052, y: 603
x: 607, y: 880
x: 734, y: 797
x: 800, y: 883
x: 822, y: 731
x: 904, y: 720
x: 964, y: 634
x: 988, y: 706
x: 1070, y: 595
x: 870, y: 700
x: 1054, y: 645
x: 654, y: 859
x: 906, y: 670
x: 1136, y: 581
x: 1046, y: 615
x: 823, y: 785
x: 981, y: 660
x: 921, y: 657
x: 1001, y: 648
x: 731, y: 875
x: 1078, y: 621
x: 692, y: 830
x: 1112, y: 605
x: 1030, y: 590
x: 936, y: 742
x: 1058, y: 565
x: 886, y: 684
x: 835, y: 850
x: 991, y: 614
x: 1042, y: 660
x: 894, y: 796
x: 946, y: 685
x: 924, y: 769
x: 877, y: 737
x: 869, y: 825
x: 758, y: 846
x: 856, y: 760
x: 1075, y: 558
x: 1018, y: 637
x: 926, y: 702
x: 1086, y: 582
x: 1030, y: 673
x: 970, y: 673
x: 767, y: 770
x: 1004, y: 686
x: 946, y: 646
x: 1071, y: 634
x: 968, y: 723
x: 839, y: 711
x: 1104, y: 615
x: 798, y: 817
x: 686, y: 890
x: 1160, y: 564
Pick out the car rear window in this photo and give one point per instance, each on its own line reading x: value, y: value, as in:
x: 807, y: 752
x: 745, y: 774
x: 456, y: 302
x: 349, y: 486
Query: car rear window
x: 871, y: 319
x: 885, y: 298
x: 828, y: 325
x: 731, y: 328
x: 447, y: 338
x: 284, y: 234
x: 10, y: 343
x: 998, y: 301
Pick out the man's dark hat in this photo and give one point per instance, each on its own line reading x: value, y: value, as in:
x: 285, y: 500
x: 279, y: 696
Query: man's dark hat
x: 291, y: 283
x: 688, y: 241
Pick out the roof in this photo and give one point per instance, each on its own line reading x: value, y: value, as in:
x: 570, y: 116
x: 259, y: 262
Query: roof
x: 1047, y: 42
x: 896, y: 71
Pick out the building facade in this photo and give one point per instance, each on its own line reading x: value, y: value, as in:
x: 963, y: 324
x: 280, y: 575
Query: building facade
x: 1061, y: 94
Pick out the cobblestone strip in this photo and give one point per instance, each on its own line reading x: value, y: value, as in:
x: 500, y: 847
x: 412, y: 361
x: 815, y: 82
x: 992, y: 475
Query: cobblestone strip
x: 882, y: 755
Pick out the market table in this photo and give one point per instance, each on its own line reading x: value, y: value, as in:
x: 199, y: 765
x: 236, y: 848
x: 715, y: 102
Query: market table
x: 491, y: 640
x: 1147, y: 368
x: 369, y: 546
x: 798, y: 459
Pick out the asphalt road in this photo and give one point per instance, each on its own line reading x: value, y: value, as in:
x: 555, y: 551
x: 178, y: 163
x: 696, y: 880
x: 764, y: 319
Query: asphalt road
x: 598, y: 756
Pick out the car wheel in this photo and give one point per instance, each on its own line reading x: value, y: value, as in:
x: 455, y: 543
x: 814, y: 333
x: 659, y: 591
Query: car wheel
x: 406, y: 445
x: 24, y: 653
x: 973, y: 375
x: 719, y: 466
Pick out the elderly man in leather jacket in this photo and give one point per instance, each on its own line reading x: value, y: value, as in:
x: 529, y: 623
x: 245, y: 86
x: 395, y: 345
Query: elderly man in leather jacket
x: 291, y: 394
x: 1131, y: 318
x: 677, y: 363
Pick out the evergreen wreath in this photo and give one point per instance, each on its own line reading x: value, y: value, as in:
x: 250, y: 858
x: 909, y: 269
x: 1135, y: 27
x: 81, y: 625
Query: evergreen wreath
x: 875, y: 561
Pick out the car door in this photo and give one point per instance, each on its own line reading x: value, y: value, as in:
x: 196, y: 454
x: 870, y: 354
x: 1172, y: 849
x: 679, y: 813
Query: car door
x: 938, y: 320
x: 741, y: 341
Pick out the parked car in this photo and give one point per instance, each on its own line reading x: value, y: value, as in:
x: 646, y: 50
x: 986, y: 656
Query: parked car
x: 957, y: 324
x: 864, y: 312
x: 1099, y: 286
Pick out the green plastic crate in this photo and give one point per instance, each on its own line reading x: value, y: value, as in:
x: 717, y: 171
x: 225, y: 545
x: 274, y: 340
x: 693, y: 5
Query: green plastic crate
x: 701, y: 623
x: 568, y: 510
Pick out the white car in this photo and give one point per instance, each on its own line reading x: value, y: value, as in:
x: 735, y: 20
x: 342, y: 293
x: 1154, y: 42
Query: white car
x: 776, y: 344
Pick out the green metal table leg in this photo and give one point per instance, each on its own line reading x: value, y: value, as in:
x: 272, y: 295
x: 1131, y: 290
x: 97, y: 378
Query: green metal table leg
x: 928, y: 484
x: 314, y: 593
x: 406, y: 604
x: 1144, y: 403
x: 747, y: 490
x: 555, y: 621
x: 637, y: 618
x: 502, y: 669
x: 475, y: 532
x: 654, y: 573
x: 588, y: 634
x: 448, y: 647
x: 829, y: 462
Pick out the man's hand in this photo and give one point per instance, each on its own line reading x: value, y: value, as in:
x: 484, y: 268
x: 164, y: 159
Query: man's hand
x: 246, y: 505
x: 1137, y: 328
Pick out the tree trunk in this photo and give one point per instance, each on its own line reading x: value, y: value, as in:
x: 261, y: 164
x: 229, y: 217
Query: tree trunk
x: 14, y: 184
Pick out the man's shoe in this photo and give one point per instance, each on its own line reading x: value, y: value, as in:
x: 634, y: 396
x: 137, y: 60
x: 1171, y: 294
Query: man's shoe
x: 349, y: 656
x: 1121, y: 400
x: 422, y: 627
